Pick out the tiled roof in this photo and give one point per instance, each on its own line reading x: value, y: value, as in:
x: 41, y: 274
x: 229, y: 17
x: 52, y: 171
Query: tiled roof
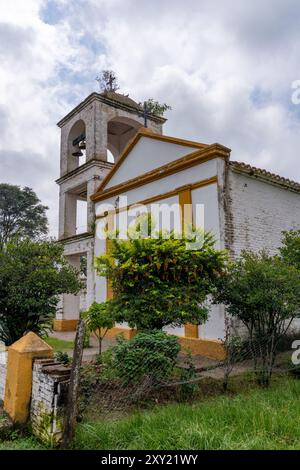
x: 264, y: 174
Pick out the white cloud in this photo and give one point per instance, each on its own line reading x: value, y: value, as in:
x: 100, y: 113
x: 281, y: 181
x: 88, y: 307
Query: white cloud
x: 225, y: 67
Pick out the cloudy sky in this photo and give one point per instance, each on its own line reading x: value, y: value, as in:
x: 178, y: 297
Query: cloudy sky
x: 225, y: 66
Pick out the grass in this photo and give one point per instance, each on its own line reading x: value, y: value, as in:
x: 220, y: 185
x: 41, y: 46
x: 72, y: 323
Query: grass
x: 260, y: 419
x: 253, y: 419
x: 21, y: 443
x: 58, y: 344
x: 16, y: 440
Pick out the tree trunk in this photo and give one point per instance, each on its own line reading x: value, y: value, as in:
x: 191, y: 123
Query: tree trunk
x: 71, y: 408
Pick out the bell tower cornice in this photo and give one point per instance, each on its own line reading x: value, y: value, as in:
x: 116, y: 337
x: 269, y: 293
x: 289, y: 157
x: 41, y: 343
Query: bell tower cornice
x: 115, y: 100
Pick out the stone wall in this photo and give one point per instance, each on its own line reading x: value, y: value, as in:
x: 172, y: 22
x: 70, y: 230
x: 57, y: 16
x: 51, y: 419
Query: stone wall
x: 50, y: 382
x: 3, y: 367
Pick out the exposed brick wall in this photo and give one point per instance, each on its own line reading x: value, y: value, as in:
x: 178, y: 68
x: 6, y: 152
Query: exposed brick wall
x: 257, y: 213
x: 49, y: 387
x: 3, y: 366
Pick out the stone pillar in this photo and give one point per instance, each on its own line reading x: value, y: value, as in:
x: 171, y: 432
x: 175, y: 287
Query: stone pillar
x: 70, y: 305
x: 92, y: 186
x: 19, y: 374
x: 67, y: 214
x: 99, y: 130
x: 50, y: 381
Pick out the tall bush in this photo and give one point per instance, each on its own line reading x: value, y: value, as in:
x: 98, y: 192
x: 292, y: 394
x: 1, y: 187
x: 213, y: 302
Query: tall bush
x: 32, y: 276
x: 263, y: 292
x: 158, y: 282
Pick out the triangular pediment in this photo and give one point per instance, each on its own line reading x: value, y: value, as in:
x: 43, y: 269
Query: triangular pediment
x: 146, y: 152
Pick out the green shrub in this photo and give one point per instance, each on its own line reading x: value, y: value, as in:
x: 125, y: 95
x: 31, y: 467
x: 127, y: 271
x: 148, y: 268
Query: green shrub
x: 150, y: 354
x: 63, y: 357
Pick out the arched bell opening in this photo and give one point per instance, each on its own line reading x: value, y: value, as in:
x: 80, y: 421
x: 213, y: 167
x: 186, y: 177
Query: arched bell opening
x: 77, y: 145
x: 120, y: 130
x: 110, y: 156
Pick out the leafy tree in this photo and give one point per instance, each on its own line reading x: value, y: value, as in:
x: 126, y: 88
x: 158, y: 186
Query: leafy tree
x: 108, y: 81
x: 99, y: 320
x: 32, y: 276
x: 21, y: 214
x: 290, y: 249
x: 158, y: 282
x: 154, y: 107
x: 263, y: 292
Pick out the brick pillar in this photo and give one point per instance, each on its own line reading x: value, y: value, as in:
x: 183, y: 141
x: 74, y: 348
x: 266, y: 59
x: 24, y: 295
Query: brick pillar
x: 19, y: 374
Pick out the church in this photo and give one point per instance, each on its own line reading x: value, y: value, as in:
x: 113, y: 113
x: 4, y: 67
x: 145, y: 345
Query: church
x: 107, y: 154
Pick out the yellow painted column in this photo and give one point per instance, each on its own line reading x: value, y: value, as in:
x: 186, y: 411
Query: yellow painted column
x: 185, y: 201
x: 19, y: 374
x: 191, y: 331
x: 65, y: 325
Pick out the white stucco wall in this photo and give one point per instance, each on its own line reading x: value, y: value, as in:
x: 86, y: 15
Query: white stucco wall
x: 147, y: 155
x: 163, y: 185
x: 207, y: 195
x: 213, y: 328
x: 100, y: 282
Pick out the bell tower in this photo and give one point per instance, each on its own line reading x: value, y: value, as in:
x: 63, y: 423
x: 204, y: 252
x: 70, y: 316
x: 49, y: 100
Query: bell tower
x: 93, y: 136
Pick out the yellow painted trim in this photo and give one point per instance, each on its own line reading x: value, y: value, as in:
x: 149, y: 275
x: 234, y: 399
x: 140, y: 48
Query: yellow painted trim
x: 65, y: 325
x: 202, y: 183
x: 185, y: 202
x: 173, y: 140
x: 128, y: 333
x: 213, y: 349
x: 174, y: 192
x: 19, y: 374
x: 197, y: 346
x: 199, y: 156
x: 191, y: 331
x: 143, y: 132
